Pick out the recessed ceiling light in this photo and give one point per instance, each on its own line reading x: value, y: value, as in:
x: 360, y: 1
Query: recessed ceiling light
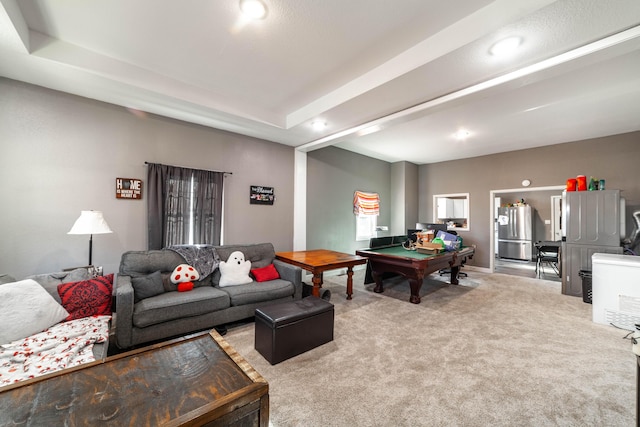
x: 318, y: 125
x: 254, y: 9
x: 505, y: 46
x: 462, y: 134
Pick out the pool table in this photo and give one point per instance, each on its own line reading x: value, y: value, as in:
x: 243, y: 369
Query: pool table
x: 413, y: 265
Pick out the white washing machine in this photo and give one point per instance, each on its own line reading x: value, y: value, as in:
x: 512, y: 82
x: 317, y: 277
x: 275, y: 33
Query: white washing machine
x: 616, y: 290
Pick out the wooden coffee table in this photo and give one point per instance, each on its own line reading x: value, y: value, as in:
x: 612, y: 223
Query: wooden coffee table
x: 318, y: 261
x: 194, y: 381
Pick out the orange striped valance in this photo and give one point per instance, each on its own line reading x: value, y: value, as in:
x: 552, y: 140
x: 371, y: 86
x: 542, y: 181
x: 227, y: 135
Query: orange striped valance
x: 366, y: 203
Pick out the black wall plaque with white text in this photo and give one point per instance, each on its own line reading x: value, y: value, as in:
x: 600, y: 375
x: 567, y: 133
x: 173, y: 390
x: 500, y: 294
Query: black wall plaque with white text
x: 261, y: 195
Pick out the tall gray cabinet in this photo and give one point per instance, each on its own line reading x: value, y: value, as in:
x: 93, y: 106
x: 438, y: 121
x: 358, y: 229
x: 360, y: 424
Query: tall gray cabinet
x: 591, y: 224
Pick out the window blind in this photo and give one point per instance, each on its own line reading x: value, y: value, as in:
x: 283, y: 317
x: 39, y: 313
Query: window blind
x: 366, y: 203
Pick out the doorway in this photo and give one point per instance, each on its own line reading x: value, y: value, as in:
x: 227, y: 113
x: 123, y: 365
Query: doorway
x: 546, y: 227
x: 556, y: 218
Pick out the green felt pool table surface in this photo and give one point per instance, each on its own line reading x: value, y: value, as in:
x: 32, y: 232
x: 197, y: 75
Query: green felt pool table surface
x: 402, y: 252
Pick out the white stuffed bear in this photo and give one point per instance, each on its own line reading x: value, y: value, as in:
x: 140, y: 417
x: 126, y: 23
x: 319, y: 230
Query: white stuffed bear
x: 235, y: 271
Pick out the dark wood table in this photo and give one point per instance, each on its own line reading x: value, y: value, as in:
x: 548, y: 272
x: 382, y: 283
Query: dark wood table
x: 318, y: 261
x: 413, y: 265
x: 192, y: 381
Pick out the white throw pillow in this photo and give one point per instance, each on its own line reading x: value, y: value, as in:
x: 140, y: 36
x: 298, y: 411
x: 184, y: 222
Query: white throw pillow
x: 26, y: 308
x: 235, y: 271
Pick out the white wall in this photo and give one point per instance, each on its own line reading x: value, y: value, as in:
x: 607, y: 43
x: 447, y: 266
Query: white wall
x: 60, y: 154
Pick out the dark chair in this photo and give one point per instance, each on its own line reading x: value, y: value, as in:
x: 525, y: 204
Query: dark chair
x: 547, y: 254
x: 448, y: 270
x: 398, y: 239
x: 379, y: 242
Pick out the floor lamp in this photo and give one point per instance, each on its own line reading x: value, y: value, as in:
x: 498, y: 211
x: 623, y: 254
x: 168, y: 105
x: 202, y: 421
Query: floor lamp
x: 90, y: 222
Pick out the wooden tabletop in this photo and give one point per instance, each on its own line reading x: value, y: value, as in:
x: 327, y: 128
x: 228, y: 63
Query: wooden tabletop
x: 186, y: 381
x: 320, y: 259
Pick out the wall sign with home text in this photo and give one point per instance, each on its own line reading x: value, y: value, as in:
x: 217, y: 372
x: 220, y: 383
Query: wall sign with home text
x: 260, y: 195
x: 128, y: 188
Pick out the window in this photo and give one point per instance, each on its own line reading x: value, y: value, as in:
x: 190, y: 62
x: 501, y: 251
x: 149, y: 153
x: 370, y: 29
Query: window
x: 366, y: 226
x: 452, y: 209
x: 366, y: 207
x: 185, y: 206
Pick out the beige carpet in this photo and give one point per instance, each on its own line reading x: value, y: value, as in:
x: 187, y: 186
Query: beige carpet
x: 496, y: 350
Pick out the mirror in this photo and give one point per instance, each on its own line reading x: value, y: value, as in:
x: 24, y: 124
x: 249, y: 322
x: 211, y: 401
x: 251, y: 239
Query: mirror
x: 452, y: 209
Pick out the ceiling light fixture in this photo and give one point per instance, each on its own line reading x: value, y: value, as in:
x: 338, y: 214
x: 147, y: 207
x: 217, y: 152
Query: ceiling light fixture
x: 462, y: 134
x: 318, y: 125
x: 505, y: 46
x: 254, y: 9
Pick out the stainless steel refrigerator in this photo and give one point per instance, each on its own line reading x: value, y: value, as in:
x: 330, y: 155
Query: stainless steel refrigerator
x: 515, y: 233
x: 591, y: 223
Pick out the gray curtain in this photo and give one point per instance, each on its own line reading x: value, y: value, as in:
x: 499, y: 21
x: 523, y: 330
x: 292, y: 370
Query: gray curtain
x: 207, y: 210
x: 176, y: 207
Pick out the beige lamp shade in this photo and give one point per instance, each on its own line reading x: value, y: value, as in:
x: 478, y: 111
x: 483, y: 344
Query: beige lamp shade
x: 90, y: 222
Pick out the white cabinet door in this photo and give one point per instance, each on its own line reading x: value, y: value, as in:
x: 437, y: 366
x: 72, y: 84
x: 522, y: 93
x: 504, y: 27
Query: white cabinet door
x: 445, y: 207
x: 452, y: 208
x: 459, y: 208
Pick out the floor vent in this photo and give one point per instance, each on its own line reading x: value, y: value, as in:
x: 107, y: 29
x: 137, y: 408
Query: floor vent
x: 622, y: 320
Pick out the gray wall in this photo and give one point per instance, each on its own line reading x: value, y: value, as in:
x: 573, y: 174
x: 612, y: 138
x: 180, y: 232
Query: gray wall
x: 333, y: 175
x: 60, y: 154
x: 614, y: 158
x: 404, y: 197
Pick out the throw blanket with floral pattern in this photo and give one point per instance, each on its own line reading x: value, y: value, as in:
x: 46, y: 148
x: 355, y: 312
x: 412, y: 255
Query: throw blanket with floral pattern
x: 63, y: 345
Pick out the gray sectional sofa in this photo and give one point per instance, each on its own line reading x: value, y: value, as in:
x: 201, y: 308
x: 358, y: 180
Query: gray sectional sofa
x: 142, y: 317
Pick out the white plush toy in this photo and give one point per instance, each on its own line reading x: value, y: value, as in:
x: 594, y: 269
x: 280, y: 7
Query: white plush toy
x: 235, y: 271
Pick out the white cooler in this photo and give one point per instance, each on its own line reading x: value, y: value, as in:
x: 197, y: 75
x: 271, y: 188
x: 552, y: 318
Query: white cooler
x: 616, y: 290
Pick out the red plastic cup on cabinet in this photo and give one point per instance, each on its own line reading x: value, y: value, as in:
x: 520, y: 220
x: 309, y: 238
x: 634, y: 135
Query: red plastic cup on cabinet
x: 571, y: 184
x: 582, y: 182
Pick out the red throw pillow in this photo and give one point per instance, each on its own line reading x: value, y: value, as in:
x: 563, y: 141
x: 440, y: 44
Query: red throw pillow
x: 185, y: 286
x: 88, y: 297
x: 265, y: 273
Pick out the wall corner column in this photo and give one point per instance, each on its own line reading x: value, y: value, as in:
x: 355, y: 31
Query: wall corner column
x: 300, y: 201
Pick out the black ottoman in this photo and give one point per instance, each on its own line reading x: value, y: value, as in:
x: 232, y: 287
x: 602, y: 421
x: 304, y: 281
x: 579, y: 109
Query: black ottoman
x: 291, y: 328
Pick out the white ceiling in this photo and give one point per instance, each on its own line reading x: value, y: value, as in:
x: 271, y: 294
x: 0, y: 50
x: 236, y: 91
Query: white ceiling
x: 393, y: 79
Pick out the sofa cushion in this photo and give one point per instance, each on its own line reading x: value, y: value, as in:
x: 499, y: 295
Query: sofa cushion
x: 5, y: 278
x: 147, y: 286
x: 264, y: 274
x: 143, y: 263
x: 176, y: 305
x: 50, y: 281
x: 26, y: 308
x: 88, y: 297
x: 259, y: 292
